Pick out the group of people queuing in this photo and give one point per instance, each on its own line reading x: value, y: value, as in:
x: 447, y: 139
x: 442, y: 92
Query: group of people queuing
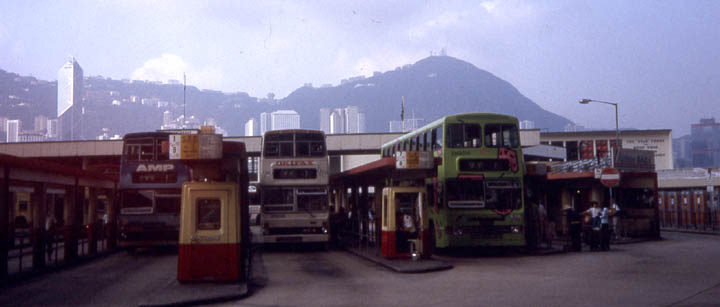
x: 597, y: 226
x: 602, y: 223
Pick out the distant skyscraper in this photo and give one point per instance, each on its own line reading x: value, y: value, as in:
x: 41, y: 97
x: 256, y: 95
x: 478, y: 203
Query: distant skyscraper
x: 325, y: 120
x: 285, y: 119
x: 168, y: 120
x: 263, y: 123
x: 362, y: 128
x: 13, y: 131
x: 337, y: 121
x: 250, y: 127
x: 70, y: 108
x: 3, y: 124
x: 351, y: 119
x: 40, y: 123
x: 52, y: 129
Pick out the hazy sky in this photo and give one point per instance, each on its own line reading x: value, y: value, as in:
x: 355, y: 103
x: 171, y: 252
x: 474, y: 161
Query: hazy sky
x: 660, y: 60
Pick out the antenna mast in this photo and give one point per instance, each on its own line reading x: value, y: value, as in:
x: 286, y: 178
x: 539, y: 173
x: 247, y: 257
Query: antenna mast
x: 184, y: 87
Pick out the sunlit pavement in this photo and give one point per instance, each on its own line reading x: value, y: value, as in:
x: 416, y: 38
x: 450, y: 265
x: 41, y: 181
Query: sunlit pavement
x: 680, y: 270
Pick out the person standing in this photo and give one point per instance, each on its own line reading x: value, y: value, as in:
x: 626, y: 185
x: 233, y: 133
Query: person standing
x: 594, y: 233
x: 542, y: 220
x: 575, y: 229
x: 615, y: 213
x: 605, y: 229
x: 49, y: 234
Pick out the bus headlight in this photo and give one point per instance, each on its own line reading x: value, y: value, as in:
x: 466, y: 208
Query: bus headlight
x: 516, y: 229
x: 457, y: 231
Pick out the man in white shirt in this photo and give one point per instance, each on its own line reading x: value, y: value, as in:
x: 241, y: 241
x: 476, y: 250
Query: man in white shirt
x: 615, y: 212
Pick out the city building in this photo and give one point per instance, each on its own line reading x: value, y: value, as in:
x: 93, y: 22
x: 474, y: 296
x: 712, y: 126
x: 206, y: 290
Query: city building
x: 584, y: 145
x: 13, y: 130
x: 250, y: 127
x: 705, y: 143
x: 337, y: 121
x: 40, y: 124
x: 325, y: 120
x: 351, y: 119
x: 70, y: 107
x: 52, y: 129
x: 31, y: 136
x: 362, y: 127
x: 682, y: 151
x: 284, y: 119
x: 263, y: 123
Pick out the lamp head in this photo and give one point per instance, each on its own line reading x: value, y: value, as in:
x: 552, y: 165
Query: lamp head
x: 585, y: 101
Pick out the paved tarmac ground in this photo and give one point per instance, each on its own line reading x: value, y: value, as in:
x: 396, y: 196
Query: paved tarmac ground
x: 682, y: 270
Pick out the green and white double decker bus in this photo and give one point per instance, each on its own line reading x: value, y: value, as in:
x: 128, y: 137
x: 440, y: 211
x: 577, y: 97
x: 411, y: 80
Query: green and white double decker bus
x: 476, y: 197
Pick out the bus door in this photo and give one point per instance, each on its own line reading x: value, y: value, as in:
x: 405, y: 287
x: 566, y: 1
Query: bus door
x: 209, y: 243
x: 404, y: 222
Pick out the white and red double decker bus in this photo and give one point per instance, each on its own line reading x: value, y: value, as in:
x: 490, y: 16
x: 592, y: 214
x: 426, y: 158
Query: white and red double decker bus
x: 293, y: 186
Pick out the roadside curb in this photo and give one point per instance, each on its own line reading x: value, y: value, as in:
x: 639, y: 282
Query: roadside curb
x: 402, y: 265
x: 711, y: 233
x: 176, y: 294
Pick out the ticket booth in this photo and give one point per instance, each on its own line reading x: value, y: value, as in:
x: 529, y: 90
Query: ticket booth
x: 210, y: 247
x: 404, y: 223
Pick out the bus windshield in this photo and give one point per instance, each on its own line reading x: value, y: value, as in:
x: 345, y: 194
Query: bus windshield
x: 464, y: 136
x: 465, y: 193
x: 497, y: 135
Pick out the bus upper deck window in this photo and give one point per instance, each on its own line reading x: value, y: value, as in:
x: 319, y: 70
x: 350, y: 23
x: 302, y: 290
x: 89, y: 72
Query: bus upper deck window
x: 303, y: 149
x: 272, y: 149
x: 146, y: 152
x: 286, y: 149
x: 439, y: 137
x: 317, y: 148
x: 492, y: 135
x: 510, y: 136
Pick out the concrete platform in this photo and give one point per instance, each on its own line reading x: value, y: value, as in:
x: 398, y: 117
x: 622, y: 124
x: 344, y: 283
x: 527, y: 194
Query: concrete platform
x: 401, y: 265
x: 174, y: 293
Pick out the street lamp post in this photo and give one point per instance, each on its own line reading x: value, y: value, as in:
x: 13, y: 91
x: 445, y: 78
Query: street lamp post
x: 617, y: 133
x: 617, y: 128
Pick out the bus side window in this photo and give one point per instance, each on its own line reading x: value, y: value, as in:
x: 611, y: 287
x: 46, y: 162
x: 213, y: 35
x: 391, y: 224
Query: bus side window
x: 433, y: 140
x: 440, y: 137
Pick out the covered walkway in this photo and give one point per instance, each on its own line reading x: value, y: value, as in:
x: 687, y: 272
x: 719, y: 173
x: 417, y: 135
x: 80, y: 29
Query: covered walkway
x: 52, y: 215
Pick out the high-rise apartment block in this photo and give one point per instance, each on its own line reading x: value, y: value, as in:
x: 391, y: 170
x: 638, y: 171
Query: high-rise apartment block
x: 13, y: 131
x: 705, y: 143
x: 325, y: 120
x: 285, y: 119
x: 342, y: 120
x: 70, y: 108
x: 337, y: 121
x: 263, y: 123
x: 250, y: 127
